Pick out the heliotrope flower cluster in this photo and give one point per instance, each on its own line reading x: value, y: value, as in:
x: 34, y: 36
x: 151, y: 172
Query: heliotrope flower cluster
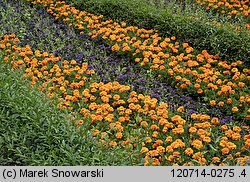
x: 224, y: 85
x: 118, y: 116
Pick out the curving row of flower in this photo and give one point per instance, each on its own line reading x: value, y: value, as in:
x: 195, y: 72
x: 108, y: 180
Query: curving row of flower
x: 222, y: 84
x: 231, y: 8
x: 118, y: 117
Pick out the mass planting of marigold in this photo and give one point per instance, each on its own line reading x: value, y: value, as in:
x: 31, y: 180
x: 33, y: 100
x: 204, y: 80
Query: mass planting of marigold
x: 224, y: 84
x: 118, y: 116
x: 231, y: 8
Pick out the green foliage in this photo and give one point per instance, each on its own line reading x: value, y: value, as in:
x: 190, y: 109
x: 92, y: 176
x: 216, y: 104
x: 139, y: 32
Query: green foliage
x: 34, y: 132
x: 223, y: 41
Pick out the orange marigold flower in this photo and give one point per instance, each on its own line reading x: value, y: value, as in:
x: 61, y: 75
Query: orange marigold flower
x: 192, y: 130
x: 229, y: 101
x: 197, y: 144
x: 181, y: 109
x: 178, y: 78
x: 178, y: 131
x: 170, y: 158
x: 176, y: 154
x: 154, y: 127
x: 144, y: 124
x: 118, y: 135
x: 235, y: 109
x: 137, y: 60
x: 237, y: 129
x: 144, y: 149
x: 247, y: 143
x: 115, y: 47
x: 212, y: 102
x: 215, y: 121
x: 229, y: 133
x: 189, y: 151
x: 236, y: 136
x: 241, y: 84
x: 95, y: 132
x: 197, y: 86
x: 224, y: 127
x: 199, y: 91
x: 225, y: 150
x: 206, y: 139
x: 185, y: 45
x: 215, y: 159
x: 169, y: 139
x: 231, y: 145
x: 148, y: 140
x: 156, y: 162
x: 112, y: 144
x: 221, y: 104
x: 116, y: 97
x: 169, y: 149
x: 155, y: 134
x: 80, y: 122
x: 160, y: 149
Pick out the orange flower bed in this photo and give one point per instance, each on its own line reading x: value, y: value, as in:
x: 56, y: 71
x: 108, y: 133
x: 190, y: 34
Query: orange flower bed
x: 231, y: 8
x: 120, y: 117
x: 196, y: 73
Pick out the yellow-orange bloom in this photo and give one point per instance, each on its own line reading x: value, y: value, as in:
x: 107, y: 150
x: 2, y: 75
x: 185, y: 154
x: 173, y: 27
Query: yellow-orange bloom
x: 215, y: 159
x: 225, y: 150
x: 189, y: 151
x: 197, y: 144
x: 192, y: 130
x: 212, y: 102
x: 118, y: 135
x: 235, y: 109
x: 144, y: 149
x: 169, y: 139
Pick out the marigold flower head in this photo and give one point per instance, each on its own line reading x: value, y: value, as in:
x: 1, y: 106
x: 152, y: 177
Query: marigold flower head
x: 199, y: 91
x: 112, y: 144
x: 144, y: 149
x: 189, y: 151
x: 215, y: 159
x: 192, y: 130
x: 235, y: 109
x: 160, y: 149
x: 148, y: 140
x: 206, y: 139
x: 225, y: 150
x: 197, y: 144
x: 170, y: 158
x: 118, y: 135
x: 169, y: 139
x: 181, y: 109
x: 236, y: 136
x: 144, y: 124
x: 155, y: 134
x: 95, y: 132
x: 169, y: 149
x: 247, y: 143
x: 224, y: 127
x: 229, y: 101
x: 212, y: 102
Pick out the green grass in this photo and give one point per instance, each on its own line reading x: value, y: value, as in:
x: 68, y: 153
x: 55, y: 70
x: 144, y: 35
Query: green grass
x: 34, y: 132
